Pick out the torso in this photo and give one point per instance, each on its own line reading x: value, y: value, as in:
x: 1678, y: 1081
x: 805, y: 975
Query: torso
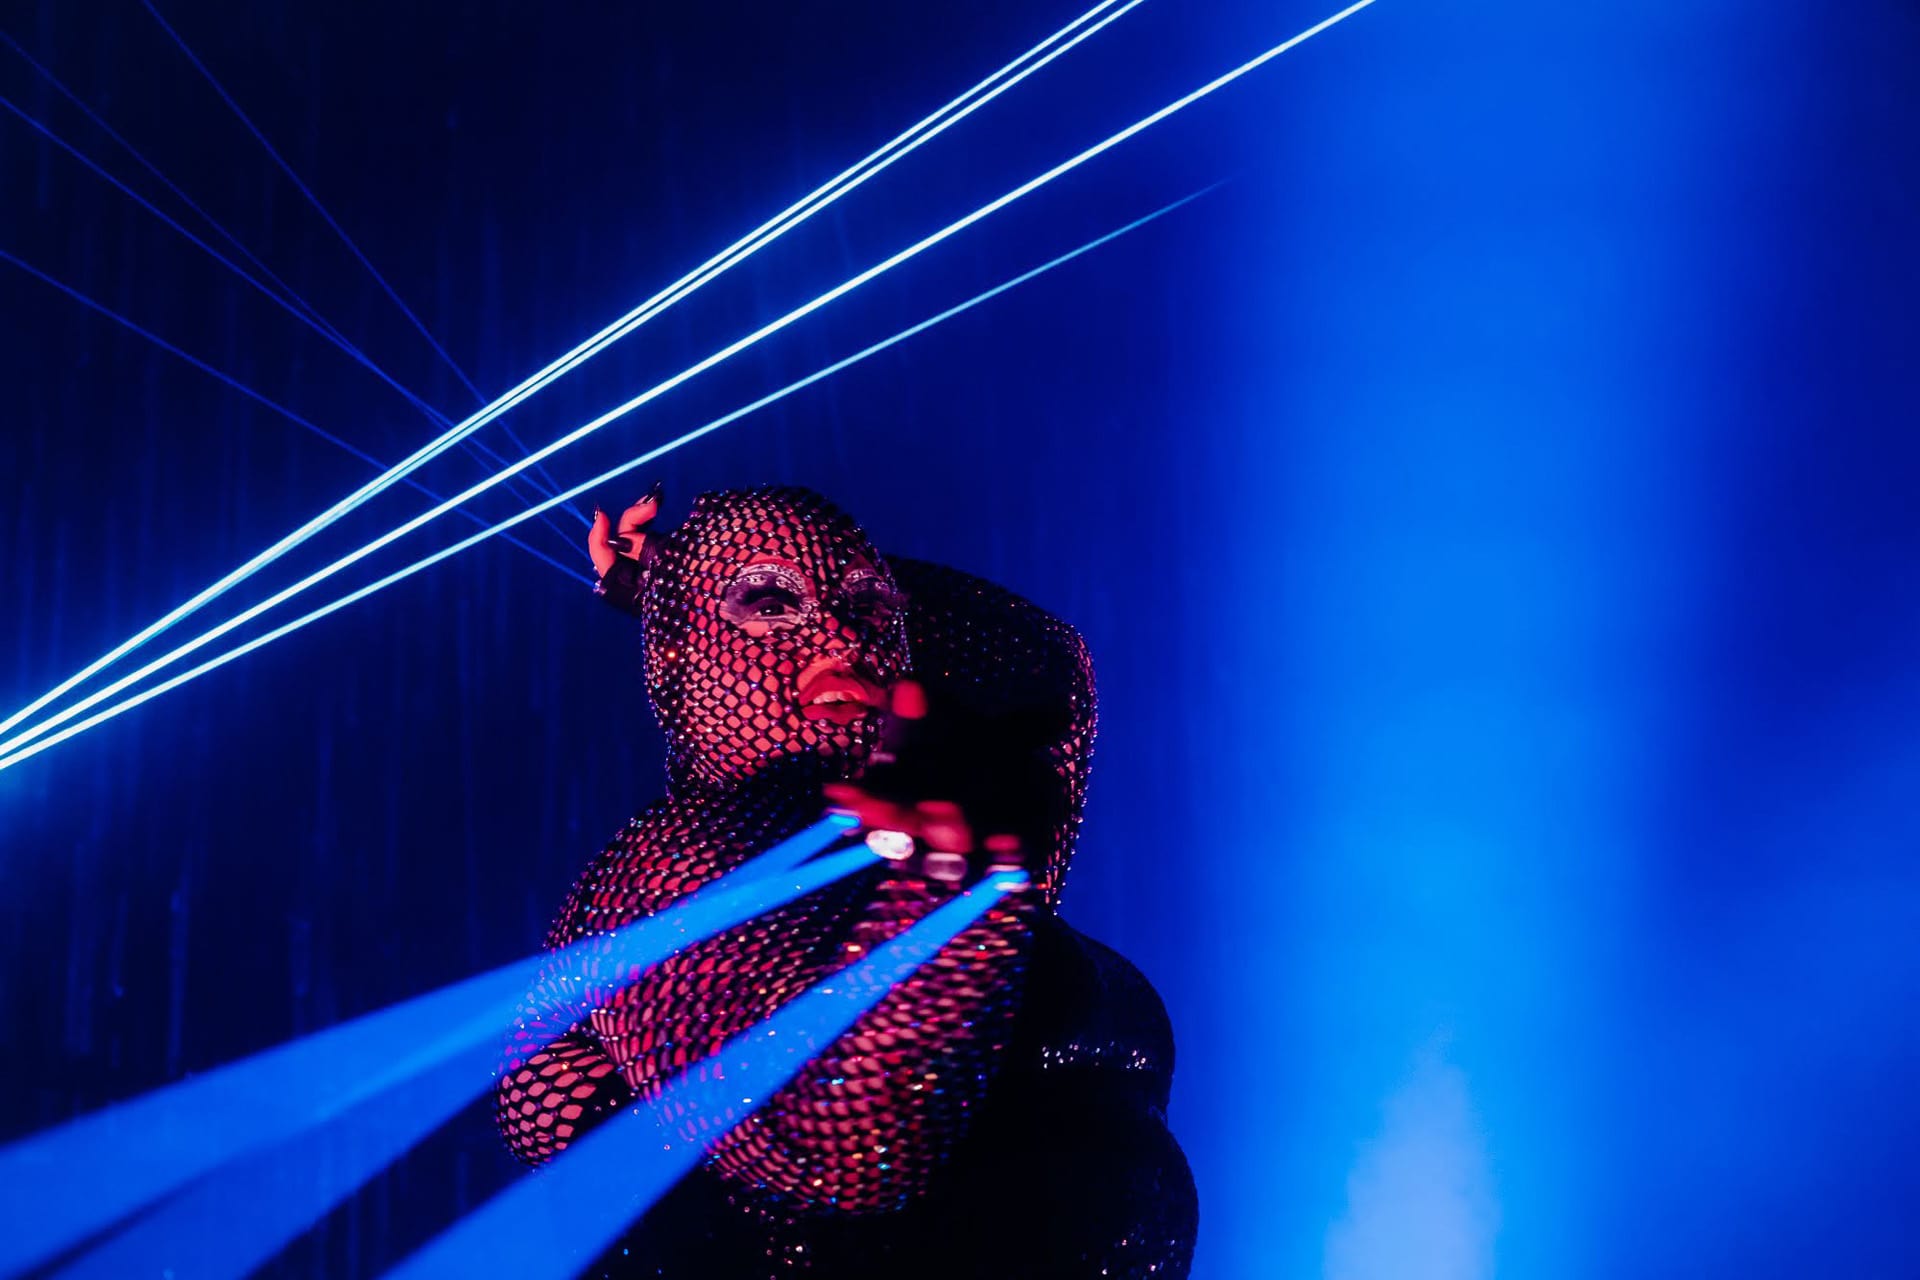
x: 1067, y: 1172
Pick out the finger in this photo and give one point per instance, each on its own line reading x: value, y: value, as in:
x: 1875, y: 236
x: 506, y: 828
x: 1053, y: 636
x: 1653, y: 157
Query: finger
x: 844, y: 794
x: 948, y: 868
x: 884, y: 815
x: 599, y: 544
x: 909, y: 700
x: 1004, y: 850
x: 637, y: 517
x: 629, y: 538
x: 641, y: 513
x: 943, y: 826
x: 873, y: 812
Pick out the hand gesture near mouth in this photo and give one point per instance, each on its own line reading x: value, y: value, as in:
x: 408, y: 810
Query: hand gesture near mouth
x: 951, y: 795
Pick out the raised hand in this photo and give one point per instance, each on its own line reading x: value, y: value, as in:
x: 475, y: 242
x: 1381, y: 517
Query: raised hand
x: 606, y: 544
x: 939, y: 795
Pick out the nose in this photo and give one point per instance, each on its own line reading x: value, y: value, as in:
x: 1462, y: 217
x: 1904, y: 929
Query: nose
x: 837, y: 635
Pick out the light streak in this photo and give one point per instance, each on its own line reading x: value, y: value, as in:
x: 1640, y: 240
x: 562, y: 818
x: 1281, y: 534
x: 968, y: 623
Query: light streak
x: 153, y: 170
x: 727, y: 352
x: 59, y: 1188
x: 320, y: 327
x: 27, y: 749
x: 314, y: 200
x: 552, y: 1225
x: 258, y: 398
x: 800, y: 211
x: 340, y: 231
x: 302, y: 312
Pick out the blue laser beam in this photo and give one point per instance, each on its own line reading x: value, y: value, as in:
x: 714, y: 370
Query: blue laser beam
x: 488, y: 457
x: 303, y: 312
x: 266, y: 272
x: 63, y: 1186
x: 551, y: 1225
x: 314, y: 200
x: 261, y: 399
x: 288, y: 1186
x: 236, y: 1219
x: 725, y: 353
x: 153, y: 170
x: 546, y: 478
x: 334, y: 223
x: 794, y: 215
x: 694, y: 370
x: 325, y: 330
x: 30, y: 749
x: 320, y: 327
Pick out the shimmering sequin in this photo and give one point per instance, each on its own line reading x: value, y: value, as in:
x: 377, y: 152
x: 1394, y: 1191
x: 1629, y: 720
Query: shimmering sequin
x: 1025, y: 1070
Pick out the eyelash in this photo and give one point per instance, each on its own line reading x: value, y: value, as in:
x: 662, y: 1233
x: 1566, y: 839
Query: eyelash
x: 749, y: 598
x: 778, y: 596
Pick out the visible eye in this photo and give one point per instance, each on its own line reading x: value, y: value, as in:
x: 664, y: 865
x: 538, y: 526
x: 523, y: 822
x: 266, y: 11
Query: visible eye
x: 765, y: 597
x: 868, y: 599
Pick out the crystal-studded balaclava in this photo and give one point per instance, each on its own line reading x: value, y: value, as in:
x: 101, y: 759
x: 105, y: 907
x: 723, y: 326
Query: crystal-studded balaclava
x: 773, y: 630
x: 981, y: 647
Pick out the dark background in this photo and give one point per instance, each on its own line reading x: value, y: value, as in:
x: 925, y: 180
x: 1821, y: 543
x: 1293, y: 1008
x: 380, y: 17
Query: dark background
x: 1492, y: 513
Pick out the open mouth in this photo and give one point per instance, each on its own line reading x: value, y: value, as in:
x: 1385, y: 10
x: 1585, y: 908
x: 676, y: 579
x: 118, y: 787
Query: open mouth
x: 835, y: 693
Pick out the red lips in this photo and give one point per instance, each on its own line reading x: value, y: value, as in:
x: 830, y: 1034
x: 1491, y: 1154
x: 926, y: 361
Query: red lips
x: 830, y: 690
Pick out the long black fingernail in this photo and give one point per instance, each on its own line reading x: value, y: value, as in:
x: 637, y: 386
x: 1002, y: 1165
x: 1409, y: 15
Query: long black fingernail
x: 620, y: 544
x: 653, y: 494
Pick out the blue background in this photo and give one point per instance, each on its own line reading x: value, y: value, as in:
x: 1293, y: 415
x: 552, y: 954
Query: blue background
x: 1492, y: 514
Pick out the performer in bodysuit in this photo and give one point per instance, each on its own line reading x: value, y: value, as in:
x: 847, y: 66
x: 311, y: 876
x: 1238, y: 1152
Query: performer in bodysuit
x: 1002, y: 1113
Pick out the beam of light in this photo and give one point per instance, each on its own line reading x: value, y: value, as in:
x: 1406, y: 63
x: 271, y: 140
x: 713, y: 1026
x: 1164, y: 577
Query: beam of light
x: 299, y: 312
x: 725, y: 353
x: 781, y: 223
x: 258, y: 398
x: 324, y: 330
x: 292, y: 301
x: 153, y: 170
x: 552, y: 1224
x: 544, y: 483
x: 235, y: 1220
x: 320, y: 327
x: 340, y: 231
x: 58, y: 1188
x: 314, y: 200
x: 288, y: 1186
x: 30, y: 749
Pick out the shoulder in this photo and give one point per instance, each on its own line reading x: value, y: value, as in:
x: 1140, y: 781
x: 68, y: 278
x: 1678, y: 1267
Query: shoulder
x: 1091, y: 1012
x: 956, y: 619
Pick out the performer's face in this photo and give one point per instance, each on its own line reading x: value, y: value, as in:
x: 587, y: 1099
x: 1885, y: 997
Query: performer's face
x: 794, y: 630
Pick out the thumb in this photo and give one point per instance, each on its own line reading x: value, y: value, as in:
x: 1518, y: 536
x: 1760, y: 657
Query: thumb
x: 908, y: 700
x: 634, y: 520
x: 600, y: 542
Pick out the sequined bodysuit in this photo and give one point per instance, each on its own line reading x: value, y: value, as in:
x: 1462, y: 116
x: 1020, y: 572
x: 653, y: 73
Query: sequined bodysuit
x: 1000, y: 1114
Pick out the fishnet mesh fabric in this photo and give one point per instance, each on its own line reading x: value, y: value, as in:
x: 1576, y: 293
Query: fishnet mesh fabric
x: 728, y: 700
x: 869, y: 1122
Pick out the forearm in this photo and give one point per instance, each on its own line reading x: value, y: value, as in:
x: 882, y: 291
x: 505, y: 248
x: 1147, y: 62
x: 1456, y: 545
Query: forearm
x: 556, y: 1079
x: 555, y: 1095
x: 904, y: 1078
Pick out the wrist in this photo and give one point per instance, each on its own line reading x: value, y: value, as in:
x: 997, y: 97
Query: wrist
x: 622, y: 585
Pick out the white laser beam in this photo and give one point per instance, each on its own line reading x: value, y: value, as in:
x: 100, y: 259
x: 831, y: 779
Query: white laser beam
x: 800, y: 211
